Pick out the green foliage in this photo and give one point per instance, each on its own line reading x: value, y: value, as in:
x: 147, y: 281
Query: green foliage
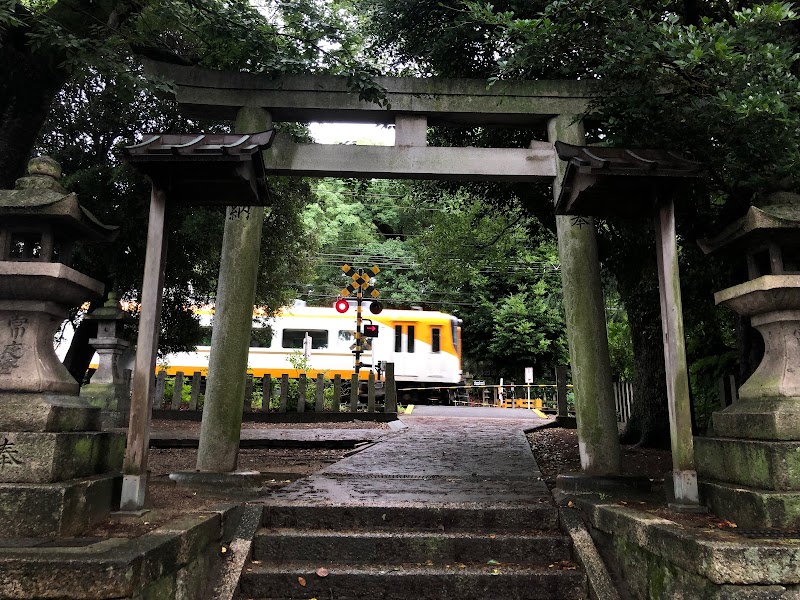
x: 619, y: 345
x: 93, y: 117
x: 169, y: 390
x: 496, y: 269
x: 718, y: 83
x: 299, y: 361
x: 293, y: 36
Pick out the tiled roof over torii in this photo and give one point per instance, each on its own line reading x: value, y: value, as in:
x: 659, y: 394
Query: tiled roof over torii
x: 618, y: 181
x: 220, y: 169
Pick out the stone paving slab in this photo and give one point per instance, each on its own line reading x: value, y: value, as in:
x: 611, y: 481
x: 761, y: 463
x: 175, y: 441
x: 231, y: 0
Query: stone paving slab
x: 462, y: 450
x: 435, y: 461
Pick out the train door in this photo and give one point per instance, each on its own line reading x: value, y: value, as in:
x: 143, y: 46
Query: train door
x: 436, y: 361
x: 405, y: 346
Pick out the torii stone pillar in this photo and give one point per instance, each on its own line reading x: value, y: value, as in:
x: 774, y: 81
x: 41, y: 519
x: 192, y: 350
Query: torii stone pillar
x: 595, y: 410
x: 233, y: 321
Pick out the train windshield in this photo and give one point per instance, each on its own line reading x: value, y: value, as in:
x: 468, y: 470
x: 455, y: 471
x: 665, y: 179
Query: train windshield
x: 454, y: 329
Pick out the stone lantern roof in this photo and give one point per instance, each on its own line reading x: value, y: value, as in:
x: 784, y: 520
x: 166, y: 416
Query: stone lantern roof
x: 776, y: 220
x: 39, y: 200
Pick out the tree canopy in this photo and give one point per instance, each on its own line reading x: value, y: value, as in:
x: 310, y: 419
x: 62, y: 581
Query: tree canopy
x: 716, y: 81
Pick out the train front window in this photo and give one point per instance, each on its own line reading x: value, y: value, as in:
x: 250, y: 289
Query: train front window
x: 293, y: 338
x: 398, y: 338
x: 410, y: 342
x: 454, y: 331
x: 436, y: 340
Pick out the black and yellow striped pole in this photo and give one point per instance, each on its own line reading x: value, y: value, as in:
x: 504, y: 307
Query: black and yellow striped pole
x: 359, y: 286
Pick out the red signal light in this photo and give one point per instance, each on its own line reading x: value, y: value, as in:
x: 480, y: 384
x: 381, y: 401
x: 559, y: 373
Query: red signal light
x: 341, y: 305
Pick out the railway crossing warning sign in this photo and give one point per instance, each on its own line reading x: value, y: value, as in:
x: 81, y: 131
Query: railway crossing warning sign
x: 360, y: 286
x: 361, y: 281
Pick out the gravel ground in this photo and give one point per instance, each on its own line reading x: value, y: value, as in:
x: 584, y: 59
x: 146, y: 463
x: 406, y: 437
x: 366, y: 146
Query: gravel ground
x: 556, y: 451
x: 167, y: 501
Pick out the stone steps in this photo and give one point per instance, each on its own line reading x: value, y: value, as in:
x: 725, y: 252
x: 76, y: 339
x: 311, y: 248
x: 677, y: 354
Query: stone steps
x: 482, y: 552
x: 403, y: 582
x: 395, y: 547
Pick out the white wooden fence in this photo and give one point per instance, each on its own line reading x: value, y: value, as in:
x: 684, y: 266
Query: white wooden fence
x: 623, y: 397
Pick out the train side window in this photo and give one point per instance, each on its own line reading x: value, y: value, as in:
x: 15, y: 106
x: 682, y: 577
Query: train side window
x: 346, y: 336
x: 261, y: 337
x: 205, y: 340
x: 398, y: 338
x: 436, y: 339
x: 410, y: 343
x: 293, y: 338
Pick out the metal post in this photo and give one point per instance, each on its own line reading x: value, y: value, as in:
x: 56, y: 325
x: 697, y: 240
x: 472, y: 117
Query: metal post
x: 561, y: 390
x: 359, y: 298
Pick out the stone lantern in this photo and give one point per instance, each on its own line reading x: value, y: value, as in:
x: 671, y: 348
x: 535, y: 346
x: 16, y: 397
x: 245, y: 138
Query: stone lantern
x: 108, y: 388
x: 750, y: 467
x: 56, y: 468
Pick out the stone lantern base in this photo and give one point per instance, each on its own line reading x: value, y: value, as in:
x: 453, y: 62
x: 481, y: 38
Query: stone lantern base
x: 753, y: 483
x: 58, y: 471
x: 750, y: 469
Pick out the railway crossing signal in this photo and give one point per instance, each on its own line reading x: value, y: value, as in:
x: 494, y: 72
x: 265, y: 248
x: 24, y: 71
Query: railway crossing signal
x: 342, y: 305
x: 360, y: 286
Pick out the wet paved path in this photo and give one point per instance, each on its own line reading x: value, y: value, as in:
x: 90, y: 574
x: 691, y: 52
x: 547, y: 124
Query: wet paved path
x: 446, y: 461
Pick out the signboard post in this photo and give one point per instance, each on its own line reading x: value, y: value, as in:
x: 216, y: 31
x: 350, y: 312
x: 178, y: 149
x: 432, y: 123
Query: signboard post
x: 528, y: 382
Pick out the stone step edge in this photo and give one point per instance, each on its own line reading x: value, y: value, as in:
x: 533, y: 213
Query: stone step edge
x: 309, y: 569
x: 311, y: 532
x: 287, y: 546
x: 345, y: 517
x: 294, y: 581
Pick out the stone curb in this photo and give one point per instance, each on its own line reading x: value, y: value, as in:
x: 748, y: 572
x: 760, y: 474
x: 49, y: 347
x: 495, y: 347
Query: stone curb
x: 714, y: 555
x: 119, y: 571
x: 600, y: 585
x: 238, y: 552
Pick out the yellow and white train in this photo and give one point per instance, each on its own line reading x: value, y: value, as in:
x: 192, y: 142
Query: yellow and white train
x: 425, y: 346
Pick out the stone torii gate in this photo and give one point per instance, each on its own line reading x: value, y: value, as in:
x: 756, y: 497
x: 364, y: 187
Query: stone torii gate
x: 415, y: 104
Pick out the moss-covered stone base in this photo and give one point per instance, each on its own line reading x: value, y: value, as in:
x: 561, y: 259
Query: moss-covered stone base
x: 50, y: 457
x: 654, y: 558
x: 174, y: 562
x: 759, y: 418
x: 55, y: 509
x: 769, y: 465
x: 752, y: 508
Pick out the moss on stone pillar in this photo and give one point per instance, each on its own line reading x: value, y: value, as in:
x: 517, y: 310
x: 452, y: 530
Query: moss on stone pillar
x: 233, y: 318
x: 595, y: 409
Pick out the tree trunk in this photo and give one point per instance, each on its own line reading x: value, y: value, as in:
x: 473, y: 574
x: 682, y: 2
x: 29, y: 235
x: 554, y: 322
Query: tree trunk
x: 80, y: 352
x: 28, y: 85
x: 30, y: 77
x: 648, y: 425
x: 629, y: 250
